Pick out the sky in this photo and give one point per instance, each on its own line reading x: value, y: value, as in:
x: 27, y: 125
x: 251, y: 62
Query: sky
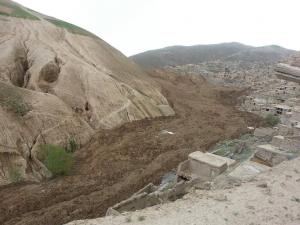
x: 134, y: 26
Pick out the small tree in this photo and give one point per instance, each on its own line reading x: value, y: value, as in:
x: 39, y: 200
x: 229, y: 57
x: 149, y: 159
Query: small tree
x: 56, y: 159
x: 272, y: 120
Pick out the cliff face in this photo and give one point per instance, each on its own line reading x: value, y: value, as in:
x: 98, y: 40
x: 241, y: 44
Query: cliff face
x: 58, y: 82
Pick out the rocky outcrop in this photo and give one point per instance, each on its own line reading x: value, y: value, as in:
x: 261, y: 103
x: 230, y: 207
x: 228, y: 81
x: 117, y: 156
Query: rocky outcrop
x: 289, y: 70
x: 63, y: 85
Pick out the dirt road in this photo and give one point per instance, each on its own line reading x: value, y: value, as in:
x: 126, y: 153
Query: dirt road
x: 118, y: 162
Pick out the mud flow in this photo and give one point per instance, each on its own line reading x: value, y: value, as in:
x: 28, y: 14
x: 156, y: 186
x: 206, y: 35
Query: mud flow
x: 116, y: 163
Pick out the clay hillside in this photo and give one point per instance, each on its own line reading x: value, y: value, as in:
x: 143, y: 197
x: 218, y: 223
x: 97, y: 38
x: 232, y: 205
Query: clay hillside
x: 224, y: 52
x: 63, y: 89
x: 58, y: 83
x: 85, y: 132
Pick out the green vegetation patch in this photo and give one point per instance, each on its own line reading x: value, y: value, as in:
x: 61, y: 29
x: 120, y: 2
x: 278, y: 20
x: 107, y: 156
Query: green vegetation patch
x: 71, y: 27
x: 236, y: 149
x: 16, y: 11
x: 272, y: 120
x: 12, y: 100
x: 56, y: 159
x: 20, y: 13
x: 15, y: 175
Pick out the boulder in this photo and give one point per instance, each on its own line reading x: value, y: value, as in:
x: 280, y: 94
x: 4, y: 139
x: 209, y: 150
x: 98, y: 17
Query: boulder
x: 270, y: 154
x: 265, y: 133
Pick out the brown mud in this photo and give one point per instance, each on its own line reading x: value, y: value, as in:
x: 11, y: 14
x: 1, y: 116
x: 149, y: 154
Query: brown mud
x: 118, y: 162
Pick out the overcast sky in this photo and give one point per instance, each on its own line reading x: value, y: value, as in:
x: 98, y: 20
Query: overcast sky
x: 134, y: 26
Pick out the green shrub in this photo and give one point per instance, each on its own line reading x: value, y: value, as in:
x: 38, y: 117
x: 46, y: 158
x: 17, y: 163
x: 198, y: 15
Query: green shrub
x: 56, y: 159
x: 15, y: 175
x: 72, y: 145
x: 272, y: 120
x: 11, y: 99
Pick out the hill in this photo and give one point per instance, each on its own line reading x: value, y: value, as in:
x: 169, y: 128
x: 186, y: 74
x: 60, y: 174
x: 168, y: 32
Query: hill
x: 59, y: 83
x: 227, y: 52
x: 62, y: 85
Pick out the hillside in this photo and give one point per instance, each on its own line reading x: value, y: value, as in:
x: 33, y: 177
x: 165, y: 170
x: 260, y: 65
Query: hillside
x: 118, y: 162
x: 59, y: 83
x: 225, y: 52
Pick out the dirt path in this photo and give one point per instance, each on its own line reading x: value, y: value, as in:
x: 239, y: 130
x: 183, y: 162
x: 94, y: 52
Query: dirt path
x: 118, y: 162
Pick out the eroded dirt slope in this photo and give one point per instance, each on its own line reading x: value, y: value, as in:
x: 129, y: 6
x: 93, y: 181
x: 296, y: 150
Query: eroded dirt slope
x: 57, y: 85
x: 116, y: 163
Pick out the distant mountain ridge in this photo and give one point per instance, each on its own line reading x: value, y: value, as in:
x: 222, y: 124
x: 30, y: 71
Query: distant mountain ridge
x: 233, y: 51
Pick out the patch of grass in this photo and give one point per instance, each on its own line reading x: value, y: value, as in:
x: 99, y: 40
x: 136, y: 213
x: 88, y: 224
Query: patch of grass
x: 236, y: 149
x: 12, y: 100
x: 70, y: 27
x: 15, y: 175
x: 244, y: 155
x: 20, y: 13
x: 56, y: 159
x: 225, y: 148
x: 17, y: 11
x: 272, y: 120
